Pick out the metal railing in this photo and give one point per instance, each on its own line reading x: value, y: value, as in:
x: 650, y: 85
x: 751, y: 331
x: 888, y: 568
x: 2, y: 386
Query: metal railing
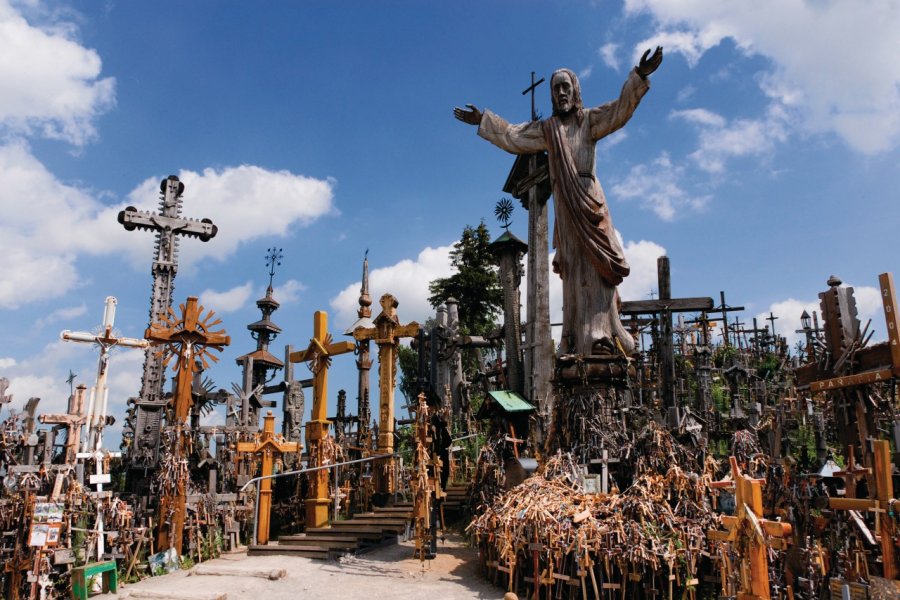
x: 257, y: 480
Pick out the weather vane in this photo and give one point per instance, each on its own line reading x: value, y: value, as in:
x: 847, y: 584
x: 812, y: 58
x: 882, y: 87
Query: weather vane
x: 273, y: 259
x: 503, y: 211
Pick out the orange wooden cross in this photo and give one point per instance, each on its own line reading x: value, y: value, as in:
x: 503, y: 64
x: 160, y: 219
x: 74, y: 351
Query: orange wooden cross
x: 318, y: 354
x: 190, y: 339
x: 880, y: 504
x: 751, y: 531
x: 386, y: 334
x: 268, y: 447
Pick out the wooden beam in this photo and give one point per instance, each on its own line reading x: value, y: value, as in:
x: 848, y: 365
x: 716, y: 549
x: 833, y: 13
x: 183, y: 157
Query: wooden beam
x: 853, y: 380
x: 646, y: 307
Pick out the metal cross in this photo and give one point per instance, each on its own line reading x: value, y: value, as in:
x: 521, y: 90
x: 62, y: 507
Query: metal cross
x: 273, y: 259
x: 531, y: 89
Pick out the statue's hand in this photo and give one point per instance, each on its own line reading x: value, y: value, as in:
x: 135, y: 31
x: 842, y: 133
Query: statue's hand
x: 471, y: 116
x: 647, y: 66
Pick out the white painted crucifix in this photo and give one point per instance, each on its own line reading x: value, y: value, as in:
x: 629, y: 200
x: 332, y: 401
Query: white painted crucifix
x: 97, y: 401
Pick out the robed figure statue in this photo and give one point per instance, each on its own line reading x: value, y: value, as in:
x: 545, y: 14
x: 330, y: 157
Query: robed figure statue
x: 589, y: 257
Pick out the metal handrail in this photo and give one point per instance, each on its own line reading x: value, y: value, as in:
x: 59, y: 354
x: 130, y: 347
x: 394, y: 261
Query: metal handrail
x: 297, y: 472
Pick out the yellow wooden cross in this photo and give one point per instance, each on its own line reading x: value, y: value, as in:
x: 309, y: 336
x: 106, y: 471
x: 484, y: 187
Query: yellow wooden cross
x: 318, y: 354
x: 268, y: 447
x: 386, y: 334
x: 189, y: 338
x: 748, y: 528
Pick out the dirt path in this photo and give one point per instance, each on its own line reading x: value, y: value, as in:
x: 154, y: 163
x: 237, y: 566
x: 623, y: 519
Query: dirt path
x: 388, y: 573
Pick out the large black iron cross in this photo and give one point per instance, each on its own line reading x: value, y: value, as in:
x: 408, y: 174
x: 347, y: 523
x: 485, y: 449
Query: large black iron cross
x: 531, y: 89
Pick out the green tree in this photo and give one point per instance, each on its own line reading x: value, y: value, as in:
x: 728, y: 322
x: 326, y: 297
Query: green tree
x: 475, y: 284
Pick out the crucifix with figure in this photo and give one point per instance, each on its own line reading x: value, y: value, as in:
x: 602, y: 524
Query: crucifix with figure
x: 319, y: 354
x: 386, y: 334
x: 169, y: 226
x: 188, y: 338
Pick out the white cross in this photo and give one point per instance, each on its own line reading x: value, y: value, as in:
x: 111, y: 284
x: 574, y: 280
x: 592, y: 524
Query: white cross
x: 96, y: 413
x: 98, y: 479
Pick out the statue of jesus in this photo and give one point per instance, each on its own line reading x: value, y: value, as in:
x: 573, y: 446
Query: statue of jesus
x: 589, y: 257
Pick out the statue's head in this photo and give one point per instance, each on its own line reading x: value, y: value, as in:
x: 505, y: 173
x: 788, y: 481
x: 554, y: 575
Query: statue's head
x: 565, y: 92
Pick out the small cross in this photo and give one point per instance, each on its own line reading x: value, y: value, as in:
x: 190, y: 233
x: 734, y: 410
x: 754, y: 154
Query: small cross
x: 771, y: 318
x: 531, y: 89
x: 71, y: 380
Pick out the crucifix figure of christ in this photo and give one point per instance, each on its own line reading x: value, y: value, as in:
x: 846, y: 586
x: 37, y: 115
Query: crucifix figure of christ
x: 168, y: 225
x: 751, y: 532
x: 318, y: 354
x: 267, y: 448
x: 589, y: 258
x: 386, y: 334
x: 97, y: 401
x: 189, y: 339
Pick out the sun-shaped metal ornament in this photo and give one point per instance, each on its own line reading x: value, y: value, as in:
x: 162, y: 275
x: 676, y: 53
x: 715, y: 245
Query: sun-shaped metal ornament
x: 503, y: 211
x: 188, y: 337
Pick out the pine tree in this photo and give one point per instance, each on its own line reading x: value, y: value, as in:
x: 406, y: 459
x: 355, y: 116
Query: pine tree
x: 475, y: 285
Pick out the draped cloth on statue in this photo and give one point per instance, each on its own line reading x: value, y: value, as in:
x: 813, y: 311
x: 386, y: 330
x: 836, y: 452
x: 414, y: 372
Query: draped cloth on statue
x: 589, y: 257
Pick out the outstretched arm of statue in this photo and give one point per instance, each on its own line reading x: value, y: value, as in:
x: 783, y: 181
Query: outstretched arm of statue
x: 649, y: 65
x: 471, y: 116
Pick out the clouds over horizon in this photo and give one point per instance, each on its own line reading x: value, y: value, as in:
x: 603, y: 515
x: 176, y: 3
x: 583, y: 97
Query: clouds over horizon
x: 50, y: 85
x: 842, y: 76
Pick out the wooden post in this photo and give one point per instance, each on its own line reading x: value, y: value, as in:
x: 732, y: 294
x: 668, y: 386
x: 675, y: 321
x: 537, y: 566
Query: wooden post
x: 386, y: 334
x: 190, y: 338
x: 268, y: 448
x: 319, y: 352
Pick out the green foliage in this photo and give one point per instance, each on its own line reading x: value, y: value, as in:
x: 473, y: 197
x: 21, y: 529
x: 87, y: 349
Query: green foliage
x: 724, y: 356
x: 768, y: 366
x: 475, y: 284
x: 409, y: 365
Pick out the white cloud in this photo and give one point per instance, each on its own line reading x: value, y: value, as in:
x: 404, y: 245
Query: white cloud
x: 407, y: 280
x: 6, y: 363
x: 842, y: 75
x: 585, y: 72
x: 721, y: 140
x: 49, y: 84
x: 658, y: 187
x: 64, y: 222
x: 228, y: 300
x: 241, y: 201
x: 608, y: 53
x: 288, y: 292
x: 61, y: 314
x: 641, y: 256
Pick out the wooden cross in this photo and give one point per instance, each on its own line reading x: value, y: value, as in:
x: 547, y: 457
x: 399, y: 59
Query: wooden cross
x: 754, y: 532
x: 852, y: 474
x: 268, y: 447
x: 318, y: 354
x: 72, y: 421
x: 96, y: 412
x: 725, y: 309
x: 190, y: 339
x: 386, y: 334
x: 880, y: 504
x: 531, y: 89
x: 604, y: 461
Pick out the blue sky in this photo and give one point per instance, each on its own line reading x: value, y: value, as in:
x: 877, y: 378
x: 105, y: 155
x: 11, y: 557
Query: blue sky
x: 764, y: 158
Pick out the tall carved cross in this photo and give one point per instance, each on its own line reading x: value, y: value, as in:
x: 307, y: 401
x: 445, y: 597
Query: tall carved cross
x: 168, y: 224
x: 189, y: 339
x: 751, y: 532
x: 97, y: 401
x: 268, y: 447
x: 318, y: 354
x: 531, y: 89
x: 386, y: 334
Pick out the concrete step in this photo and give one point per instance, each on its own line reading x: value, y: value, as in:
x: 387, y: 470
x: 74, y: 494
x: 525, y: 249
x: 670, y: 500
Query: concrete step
x: 329, y: 542
x: 363, y: 527
x: 369, y: 534
x: 380, y: 518
x: 292, y: 549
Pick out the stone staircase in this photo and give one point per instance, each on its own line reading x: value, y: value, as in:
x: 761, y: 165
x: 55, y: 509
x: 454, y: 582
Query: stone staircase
x: 457, y: 501
x: 354, y: 536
